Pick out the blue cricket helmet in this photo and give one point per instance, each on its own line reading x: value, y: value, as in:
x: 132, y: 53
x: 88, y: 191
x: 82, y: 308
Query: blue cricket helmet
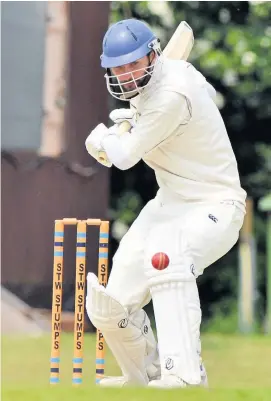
x: 125, y: 42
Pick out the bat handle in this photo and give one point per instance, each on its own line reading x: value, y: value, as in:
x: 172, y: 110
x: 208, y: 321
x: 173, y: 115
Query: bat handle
x: 102, y: 158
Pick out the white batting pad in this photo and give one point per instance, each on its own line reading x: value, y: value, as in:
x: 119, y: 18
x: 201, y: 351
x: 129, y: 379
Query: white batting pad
x: 129, y: 337
x: 104, y: 311
x: 178, y: 316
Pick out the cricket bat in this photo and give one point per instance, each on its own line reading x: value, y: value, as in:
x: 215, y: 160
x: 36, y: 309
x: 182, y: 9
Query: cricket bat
x: 178, y: 48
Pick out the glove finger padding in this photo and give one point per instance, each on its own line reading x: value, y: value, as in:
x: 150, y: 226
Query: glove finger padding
x: 119, y: 115
x: 92, y: 151
x: 93, y: 144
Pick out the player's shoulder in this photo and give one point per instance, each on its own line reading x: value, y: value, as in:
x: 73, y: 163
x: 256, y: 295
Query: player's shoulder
x: 175, y: 65
x: 180, y: 71
x: 171, y: 81
x: 173, y: 69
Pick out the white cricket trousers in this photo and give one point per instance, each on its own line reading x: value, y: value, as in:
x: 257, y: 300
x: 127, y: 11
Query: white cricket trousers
x: 203, y: 231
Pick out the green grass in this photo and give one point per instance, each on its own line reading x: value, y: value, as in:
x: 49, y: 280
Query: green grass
x: 239, y: 369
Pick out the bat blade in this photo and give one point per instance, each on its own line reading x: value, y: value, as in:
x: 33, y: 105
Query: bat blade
x: 181, y: 43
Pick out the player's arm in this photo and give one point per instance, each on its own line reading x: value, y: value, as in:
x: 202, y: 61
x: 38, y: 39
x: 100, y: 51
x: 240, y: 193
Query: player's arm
x: 159, y: 121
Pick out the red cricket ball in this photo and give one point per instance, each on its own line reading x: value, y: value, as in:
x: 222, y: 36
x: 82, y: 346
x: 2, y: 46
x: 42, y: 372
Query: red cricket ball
x: 160, y: 261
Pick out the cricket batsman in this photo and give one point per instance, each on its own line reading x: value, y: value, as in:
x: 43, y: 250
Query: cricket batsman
x: 194, y: 219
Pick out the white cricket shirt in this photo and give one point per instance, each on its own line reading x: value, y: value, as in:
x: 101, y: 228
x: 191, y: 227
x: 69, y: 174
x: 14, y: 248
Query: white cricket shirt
x: 180, y: 134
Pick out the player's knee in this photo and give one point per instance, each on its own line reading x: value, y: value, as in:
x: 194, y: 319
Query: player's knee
x: 105, y: 312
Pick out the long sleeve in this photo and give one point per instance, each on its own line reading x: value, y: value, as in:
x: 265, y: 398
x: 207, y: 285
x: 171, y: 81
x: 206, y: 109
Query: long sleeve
x: 158, y: 122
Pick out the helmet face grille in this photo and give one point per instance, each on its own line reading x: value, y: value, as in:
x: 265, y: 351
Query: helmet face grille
x: 116, y: 87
